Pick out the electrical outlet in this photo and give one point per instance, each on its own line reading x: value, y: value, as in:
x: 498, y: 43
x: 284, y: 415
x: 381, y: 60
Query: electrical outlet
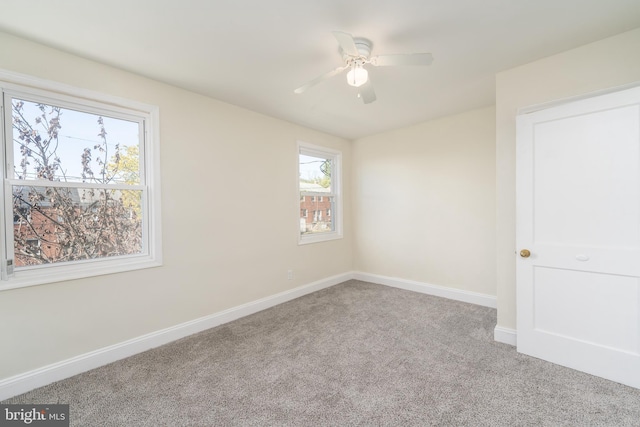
x: 290, y: 274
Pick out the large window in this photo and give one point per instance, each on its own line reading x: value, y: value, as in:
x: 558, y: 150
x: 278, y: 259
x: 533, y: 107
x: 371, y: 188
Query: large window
x: 80, y: 186
x: 319, y: 171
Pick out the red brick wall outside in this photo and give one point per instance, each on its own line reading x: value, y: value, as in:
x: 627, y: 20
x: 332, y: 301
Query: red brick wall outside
x: 313, y: 203
x: 42, y: 224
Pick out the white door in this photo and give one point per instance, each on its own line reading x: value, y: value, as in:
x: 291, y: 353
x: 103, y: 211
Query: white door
x: 578, y: 214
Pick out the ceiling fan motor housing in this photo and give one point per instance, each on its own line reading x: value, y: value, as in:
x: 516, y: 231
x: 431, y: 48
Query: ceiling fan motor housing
x: 364, y: 48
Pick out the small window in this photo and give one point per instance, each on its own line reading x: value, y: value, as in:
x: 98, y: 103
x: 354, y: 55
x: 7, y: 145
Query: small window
x: 319, y: 171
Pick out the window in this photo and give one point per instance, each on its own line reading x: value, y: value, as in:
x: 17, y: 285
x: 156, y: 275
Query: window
x: 81, y: 183
x: 319, y: 184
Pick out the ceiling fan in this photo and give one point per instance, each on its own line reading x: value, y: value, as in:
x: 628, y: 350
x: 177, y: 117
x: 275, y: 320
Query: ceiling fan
x: 356, y: 53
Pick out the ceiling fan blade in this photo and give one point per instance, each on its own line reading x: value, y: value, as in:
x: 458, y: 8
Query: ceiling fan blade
x: 367, y: 93
x: 317, y: 80
x: 402, y: 59
x: 345, y: 40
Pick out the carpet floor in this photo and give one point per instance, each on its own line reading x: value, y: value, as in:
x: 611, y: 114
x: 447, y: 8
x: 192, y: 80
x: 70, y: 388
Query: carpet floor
x: 355, y: 354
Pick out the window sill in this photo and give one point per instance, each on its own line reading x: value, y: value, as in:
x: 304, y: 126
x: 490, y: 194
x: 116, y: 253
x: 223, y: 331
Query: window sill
x: 318, y: 237
x: 52, y: 274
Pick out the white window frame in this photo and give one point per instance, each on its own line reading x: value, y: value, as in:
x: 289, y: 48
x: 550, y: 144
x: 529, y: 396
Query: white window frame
x: 151, y: 255
x: 336, y: 191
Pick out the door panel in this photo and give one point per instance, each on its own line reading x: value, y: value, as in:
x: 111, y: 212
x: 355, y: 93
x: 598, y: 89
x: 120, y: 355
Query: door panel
x: 579, y: 163
x: 578, y: 212
x: 561, y: 296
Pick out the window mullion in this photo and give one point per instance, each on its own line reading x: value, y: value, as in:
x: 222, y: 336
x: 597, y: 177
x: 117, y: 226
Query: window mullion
x: 87, y: 185
x: 142, y: 152
x: 6, y: 248
x: 314, y: 193
x: 7, y: 121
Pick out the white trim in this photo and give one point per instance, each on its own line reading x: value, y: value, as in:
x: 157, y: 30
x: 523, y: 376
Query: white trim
x: 145, y: 114
x: 73, y: 184
x: 27, y: 381
x: 336, y: 191
x: 45, y: 274
x: 36, y: 85
x: 555, y: 103
x: 505, y: 335
x: 426, y: 288
x: 306, y: 239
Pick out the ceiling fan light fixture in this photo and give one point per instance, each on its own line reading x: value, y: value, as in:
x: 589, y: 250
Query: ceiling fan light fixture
x: 357, y: 76
x: 356, y: 53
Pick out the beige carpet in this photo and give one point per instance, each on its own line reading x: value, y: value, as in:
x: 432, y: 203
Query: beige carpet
x: 356, y: 354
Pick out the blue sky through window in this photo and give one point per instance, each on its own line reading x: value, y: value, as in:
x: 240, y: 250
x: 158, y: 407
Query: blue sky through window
x: 79, y: 130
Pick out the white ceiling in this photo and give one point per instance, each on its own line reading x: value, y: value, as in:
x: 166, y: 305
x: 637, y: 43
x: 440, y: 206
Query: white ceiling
x: 254, y: 53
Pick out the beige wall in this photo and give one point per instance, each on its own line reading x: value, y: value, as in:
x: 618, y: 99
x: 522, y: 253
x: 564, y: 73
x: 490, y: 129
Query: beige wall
x: 597, y: 66
x: 424, y: 201
x: 424, y: 206
x: 218, y: 163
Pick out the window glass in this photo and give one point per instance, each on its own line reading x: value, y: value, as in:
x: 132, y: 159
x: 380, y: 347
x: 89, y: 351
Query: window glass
x: 71, y: 224
x: 318, y: 171
x: 315, y: 170
x: 60, y: 144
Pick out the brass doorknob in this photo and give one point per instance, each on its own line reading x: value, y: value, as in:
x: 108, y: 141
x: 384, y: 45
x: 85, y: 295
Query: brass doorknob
x: 525, y: 253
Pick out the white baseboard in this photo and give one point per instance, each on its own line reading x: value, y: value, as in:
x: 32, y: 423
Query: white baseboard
x: 426, y: 288
x: 505, y: 335
x: 27, y: 381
